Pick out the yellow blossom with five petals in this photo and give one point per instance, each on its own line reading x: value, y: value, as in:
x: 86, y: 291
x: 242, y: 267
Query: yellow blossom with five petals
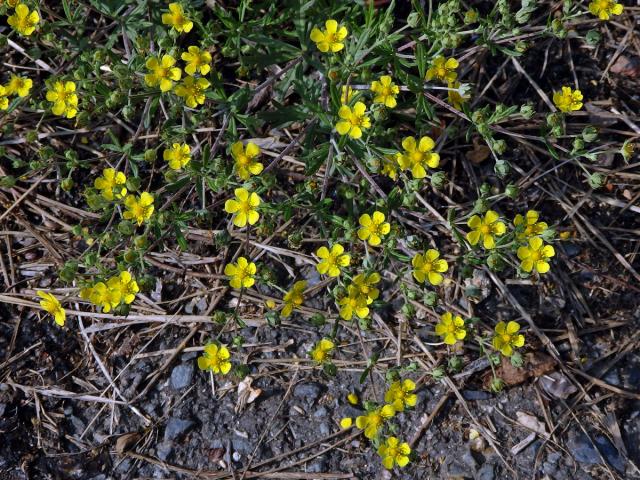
x: 193, y: 90
x: 331, y: 261
x: 243, y: 207
x: 400, y: 394
x: 331, y: 38
x: 535, y: 256
x: 178, y: 156
x: 385, y: 91
x: 322, y: 350
x: 372, y: 421
x: 353, y: 120
x: 418, y: 156
x: 443, y: 69
x: 162, y: 72
x: 138, y: 208
x: 373, y: 228
x: 394, y: 453
x: 111, y: 184
x: 603, y: 9
x: 197, y: 61
x: 528, y: 226
x: 177, y: 19
x: 64, y: 99
x: 485, y: 229
x: 568, y: 100
x: 451, y: 328
x: 24, y: 21
x: 429, y: 267
x: 242, y: 273
x: 19, y: 86
x: 293, y: 298
x: 246, y: 159
x: 215, y: 359
x: 52, y: 305
x: 507, y: 337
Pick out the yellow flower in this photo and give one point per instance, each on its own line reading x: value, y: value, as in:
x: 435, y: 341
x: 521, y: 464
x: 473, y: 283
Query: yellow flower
x: 346, y: 422
x: 568, y: 100
x: 243, y: 207
x: 111, y: 184
x: 389, y: 166
x: 4, y: 101
x: 530, y: 225
x: 627, y: 150
x: 486, y: 228
x: 178, y: 156
x: 193, y: 91
x: 51, y: 305
x: 535, y: 256
x: 245, y: 158
x: 106, y: 295
x: 332, y: 260
x: 385, y: 91
x: 331, y: 38
x: 507, y: 337
x: 400, y: 395
x: 23, y: 21
x: 138, y: 208
x: 215, y: 358
x: 443, y: 69
x: 352, y: 398
x: 177, y: 19
x: 353, y: 120
x: 197, y: 61
x: 365, y: 286
x: 19, y: 86
x: 455, y: 98
x: 604, y: 8
x: 322, y: 351
x: 353, y: 303
x: 64, y: 99
x: 428, y: 267
x: 373, y: 228
x: 347, y: 94
x: 451, y: 328
x: 417, y: 157
x: 293, y: 298
x: 126, y: 284
x: 372, y: 422
x: 394, y: 453
x: 242, y: 273
x: 162, y: 72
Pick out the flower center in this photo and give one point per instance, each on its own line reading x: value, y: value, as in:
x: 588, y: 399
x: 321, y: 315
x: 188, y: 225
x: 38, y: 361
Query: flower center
x: 386, y: 91
x: 417, y: 156
x: 245, y: 207
x: 355, y: 120
x: 485, y: 229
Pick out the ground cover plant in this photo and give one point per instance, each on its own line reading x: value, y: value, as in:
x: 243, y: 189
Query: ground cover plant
x: 316, y: 239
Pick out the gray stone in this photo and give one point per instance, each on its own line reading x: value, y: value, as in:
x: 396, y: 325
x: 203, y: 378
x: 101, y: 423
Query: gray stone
x: 181, y: 376
x: 476, y: 395
x: 319, y: 465
x: 464, y: 465
x: 242, y: 444
x: 486, y: 472
x: 177, y: 427
x: 320, y: 412
x: 307, y: 391
x: 164, y: 449
x: 584, y: 451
